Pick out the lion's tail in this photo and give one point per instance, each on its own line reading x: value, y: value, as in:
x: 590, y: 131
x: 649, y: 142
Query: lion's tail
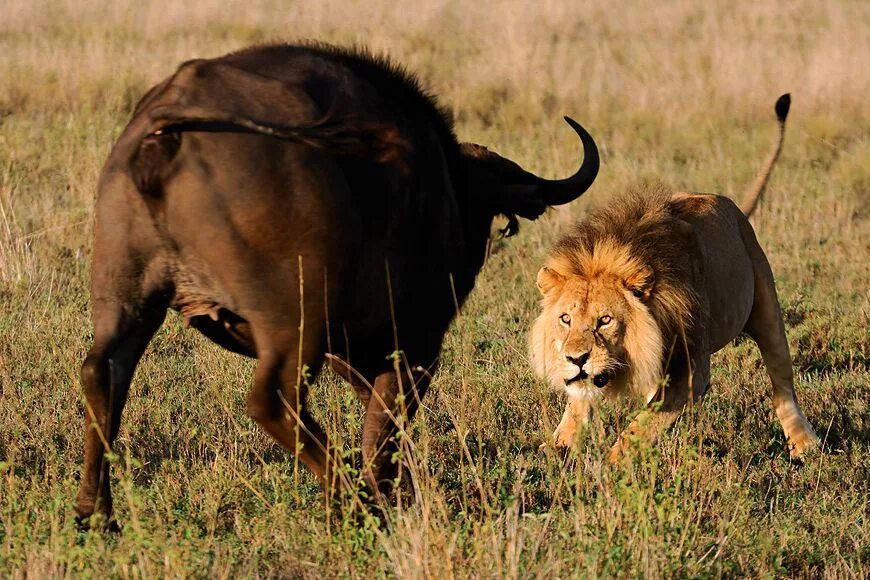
x: 751, y: 200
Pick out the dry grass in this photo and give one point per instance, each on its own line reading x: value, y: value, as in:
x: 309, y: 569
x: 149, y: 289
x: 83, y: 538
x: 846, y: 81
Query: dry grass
x: 674, y: 91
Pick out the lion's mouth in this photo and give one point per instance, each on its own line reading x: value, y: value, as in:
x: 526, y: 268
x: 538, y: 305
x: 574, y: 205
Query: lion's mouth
x: 599, y: 381
x: 581, y: 376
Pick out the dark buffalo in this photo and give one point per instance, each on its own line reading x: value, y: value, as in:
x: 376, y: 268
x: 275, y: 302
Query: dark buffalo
x: 296, y: 204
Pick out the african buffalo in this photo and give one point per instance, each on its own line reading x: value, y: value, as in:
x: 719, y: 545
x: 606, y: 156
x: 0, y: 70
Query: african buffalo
x: 297, y: 204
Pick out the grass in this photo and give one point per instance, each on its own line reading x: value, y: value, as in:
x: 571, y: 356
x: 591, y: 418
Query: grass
x: 679, y: 92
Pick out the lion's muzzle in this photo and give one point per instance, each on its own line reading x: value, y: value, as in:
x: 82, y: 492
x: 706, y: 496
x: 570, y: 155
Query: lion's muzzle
x: 578, y: 360
x: 585, y: 369
x: 581, y: 376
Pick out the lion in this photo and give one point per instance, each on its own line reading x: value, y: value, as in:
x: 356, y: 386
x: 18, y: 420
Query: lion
x: 641, y: 293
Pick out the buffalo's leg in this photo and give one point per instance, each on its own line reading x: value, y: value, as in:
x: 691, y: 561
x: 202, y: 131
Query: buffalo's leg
x: 395, y: 398
x: 687, y: 382
x: 277, y: 404
x: 766, y: 327
x: 577, y: 413
x: 119, y: 341
x: 355, y: 378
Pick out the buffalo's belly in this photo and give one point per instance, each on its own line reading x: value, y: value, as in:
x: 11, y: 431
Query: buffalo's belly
x: 205, y: 307
x: 227, y: 329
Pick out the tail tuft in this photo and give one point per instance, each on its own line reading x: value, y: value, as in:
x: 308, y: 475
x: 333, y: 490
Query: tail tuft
x: 751, y: 200
x: 782, y: 106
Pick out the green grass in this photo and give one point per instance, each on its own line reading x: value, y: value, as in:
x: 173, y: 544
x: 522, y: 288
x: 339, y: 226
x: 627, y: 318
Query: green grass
x: 673, y: 92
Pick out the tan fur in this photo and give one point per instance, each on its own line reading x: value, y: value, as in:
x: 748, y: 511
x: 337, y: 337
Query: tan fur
x: 647, y: 289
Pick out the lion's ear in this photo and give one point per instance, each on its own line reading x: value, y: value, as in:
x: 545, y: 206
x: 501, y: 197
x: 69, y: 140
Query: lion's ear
x: 548, y: 279
x: 641, y: 283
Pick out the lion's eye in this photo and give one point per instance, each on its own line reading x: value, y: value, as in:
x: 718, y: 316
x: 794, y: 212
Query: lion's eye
x: 604, y: 320
x: 565, y: 319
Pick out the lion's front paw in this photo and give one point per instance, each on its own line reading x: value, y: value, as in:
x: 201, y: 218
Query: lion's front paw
x: 563, y: 438
x: 616, y: 452
x: 803, y: 444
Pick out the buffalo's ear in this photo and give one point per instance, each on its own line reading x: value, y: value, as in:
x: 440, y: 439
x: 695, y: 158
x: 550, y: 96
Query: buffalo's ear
x: 549, y: 279
x: 641, y: 283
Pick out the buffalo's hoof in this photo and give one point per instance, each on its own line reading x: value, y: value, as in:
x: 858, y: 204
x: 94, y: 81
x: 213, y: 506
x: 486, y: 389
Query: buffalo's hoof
x: 97, y: 521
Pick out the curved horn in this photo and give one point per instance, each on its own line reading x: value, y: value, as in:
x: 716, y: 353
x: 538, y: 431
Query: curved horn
x: 560, y: 191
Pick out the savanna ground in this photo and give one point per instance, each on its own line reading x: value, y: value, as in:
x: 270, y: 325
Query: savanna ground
x: 678, y: 92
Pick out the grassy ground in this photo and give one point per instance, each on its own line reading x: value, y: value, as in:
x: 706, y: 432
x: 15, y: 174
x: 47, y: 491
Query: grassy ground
x: 679, y: 92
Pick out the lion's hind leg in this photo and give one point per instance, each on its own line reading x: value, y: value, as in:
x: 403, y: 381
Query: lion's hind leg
x: 766, y: 327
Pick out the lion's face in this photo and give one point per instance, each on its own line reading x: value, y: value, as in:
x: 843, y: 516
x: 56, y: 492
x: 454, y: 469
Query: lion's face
x: 588, y: 320
x: 594, y: 332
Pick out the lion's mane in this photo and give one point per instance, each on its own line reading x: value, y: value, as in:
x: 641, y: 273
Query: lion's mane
x: 640, y: 240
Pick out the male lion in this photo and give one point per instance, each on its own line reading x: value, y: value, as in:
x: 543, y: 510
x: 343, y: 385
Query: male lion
x: 641, y: 293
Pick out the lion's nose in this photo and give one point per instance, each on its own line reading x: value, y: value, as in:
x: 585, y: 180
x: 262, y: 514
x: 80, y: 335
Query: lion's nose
x: 577, y: 359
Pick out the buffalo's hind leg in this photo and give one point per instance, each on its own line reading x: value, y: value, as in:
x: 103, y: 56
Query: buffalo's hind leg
x: 120, y: 338
x: 277, y: 401
x: 395, y: 398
